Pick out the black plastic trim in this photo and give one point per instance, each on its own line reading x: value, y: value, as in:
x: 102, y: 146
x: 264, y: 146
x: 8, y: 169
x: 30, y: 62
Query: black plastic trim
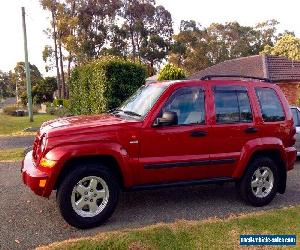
x: 182, y: 183
x: 209, y: 77
x: 188, y: 163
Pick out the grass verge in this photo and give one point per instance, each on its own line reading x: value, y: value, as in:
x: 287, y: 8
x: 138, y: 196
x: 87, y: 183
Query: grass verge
x: 209, y: 234
x: 11, y: 125
x: 11, y: 154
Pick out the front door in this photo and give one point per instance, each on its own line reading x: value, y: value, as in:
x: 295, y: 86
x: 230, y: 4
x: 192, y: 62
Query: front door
x: 177, y: 152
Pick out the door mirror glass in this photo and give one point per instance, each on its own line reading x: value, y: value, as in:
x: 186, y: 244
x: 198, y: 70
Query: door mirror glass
x: 168, y: 119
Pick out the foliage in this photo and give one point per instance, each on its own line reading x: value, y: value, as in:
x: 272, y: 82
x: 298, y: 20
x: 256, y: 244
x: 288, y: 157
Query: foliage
x: 203, y: 234
x: 196, y: 47
x: 19, y: 77
x: 135, y: 29
x: 104, y: 84
x: 42, y: 91
x: 171, y: 72
x: 288, y: 46
x: 61, y: 102
x: 7, y: 86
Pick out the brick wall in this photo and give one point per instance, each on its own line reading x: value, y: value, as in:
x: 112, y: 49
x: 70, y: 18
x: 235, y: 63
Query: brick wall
x: 291, y: 91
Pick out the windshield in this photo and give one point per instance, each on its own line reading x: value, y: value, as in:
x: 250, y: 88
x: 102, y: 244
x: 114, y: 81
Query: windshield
x: 142, y: 100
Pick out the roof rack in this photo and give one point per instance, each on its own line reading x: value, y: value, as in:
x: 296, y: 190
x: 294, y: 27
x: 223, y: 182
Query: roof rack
x: 209, y: 77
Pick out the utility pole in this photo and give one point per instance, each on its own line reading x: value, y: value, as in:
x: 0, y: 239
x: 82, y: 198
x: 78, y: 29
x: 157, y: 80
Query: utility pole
x: 28, y: 81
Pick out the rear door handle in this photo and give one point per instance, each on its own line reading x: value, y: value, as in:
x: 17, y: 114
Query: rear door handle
x: 198, y: 133
x: 251, y: 130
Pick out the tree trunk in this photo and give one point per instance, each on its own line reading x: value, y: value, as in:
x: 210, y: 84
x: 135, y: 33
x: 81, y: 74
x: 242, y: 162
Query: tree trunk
x: 61, y: 70
x: 69, y: 65
x: 132, y: 42
x: 56, y: 55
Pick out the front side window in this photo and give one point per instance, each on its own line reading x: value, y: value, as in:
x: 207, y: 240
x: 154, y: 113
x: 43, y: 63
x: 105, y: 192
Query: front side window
x: 188, y: 104
x: 270, y: 105
x: 232, y: 105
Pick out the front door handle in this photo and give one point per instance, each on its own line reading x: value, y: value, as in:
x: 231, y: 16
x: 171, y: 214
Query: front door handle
x: 198, y: 133
x: 251, y: 130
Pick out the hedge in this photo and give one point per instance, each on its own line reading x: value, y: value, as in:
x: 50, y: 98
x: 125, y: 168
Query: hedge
x: 171, y: 72
x: 104, y: 84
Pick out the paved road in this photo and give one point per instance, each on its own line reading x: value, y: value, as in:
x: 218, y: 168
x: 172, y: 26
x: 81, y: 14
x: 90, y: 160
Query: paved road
x: 16, y: 142
x: 27, y: 220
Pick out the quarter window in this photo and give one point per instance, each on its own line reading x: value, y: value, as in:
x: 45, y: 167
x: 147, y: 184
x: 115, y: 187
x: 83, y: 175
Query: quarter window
x: 270, y: 105
x: 188, y: 103
x: 232, y: 105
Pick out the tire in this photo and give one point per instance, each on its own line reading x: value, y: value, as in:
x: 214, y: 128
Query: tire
x: 255, y: 187
x: 88, y: 195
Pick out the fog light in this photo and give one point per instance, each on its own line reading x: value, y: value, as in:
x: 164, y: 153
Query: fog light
x: 47, y: 163
x: 42, y: 183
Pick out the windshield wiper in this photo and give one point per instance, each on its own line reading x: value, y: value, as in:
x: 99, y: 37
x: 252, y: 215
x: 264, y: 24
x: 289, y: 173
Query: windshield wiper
x: 127, y: 112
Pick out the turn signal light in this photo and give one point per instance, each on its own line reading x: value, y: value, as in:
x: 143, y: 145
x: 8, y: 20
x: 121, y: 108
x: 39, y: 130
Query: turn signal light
x: 47, y: 163
x: 42, y: 183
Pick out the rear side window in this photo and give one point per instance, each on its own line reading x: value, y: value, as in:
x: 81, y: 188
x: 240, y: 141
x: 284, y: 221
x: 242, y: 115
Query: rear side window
x: 232, y: 105
x: 270, y: 105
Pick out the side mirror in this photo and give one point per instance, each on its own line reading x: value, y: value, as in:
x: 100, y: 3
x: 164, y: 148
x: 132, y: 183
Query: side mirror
x: 168, y: 118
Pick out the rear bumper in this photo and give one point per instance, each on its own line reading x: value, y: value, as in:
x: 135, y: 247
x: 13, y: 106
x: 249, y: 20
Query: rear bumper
x: 291, y: 156
x: 33, y: 177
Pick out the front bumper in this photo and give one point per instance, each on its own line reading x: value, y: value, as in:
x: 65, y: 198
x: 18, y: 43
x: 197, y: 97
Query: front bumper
x: 33, y: 177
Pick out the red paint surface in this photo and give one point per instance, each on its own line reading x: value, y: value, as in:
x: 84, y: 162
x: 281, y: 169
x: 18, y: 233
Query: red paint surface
x: 107, y: 135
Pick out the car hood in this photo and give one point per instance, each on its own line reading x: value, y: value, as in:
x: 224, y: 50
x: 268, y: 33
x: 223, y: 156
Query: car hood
x: 85, y: 124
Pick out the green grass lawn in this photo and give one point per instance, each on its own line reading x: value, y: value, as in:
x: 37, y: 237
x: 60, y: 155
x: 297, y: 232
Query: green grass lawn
x: 209, y: 234
x: 10, y: 125
x: 12, y: 154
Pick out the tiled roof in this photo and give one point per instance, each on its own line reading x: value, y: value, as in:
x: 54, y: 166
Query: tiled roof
x: 281, y: 68
x: 273, y: 67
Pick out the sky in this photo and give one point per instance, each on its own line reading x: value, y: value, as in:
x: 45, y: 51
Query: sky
x: 204, y: 12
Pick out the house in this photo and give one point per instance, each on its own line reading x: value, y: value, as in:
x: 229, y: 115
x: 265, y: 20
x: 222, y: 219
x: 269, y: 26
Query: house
x: 281, y: 70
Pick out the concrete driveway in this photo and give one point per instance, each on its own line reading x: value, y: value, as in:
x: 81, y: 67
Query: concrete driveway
x: 27, y: 221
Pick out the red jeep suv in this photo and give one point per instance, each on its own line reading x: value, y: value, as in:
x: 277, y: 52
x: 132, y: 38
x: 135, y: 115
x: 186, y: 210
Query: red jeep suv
x: 167, y: 134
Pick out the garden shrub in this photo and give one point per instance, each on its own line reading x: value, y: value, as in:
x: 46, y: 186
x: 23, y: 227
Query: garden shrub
x: 104, y: 84
x: 171, y: 72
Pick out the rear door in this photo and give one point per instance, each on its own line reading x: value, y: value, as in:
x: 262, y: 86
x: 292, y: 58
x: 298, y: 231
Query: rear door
x: 178, y: 152
x: 233, y: 126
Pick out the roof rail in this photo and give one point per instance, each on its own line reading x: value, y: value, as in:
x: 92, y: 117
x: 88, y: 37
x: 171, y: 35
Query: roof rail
x: 209, y: 77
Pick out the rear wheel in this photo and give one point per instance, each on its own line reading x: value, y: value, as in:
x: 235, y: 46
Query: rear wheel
x: 88, y: 195
x: 260, y: 182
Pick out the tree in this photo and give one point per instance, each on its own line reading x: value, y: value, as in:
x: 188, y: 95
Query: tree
x: 196, y: 47
x: 149, y: 29
x: 7, y: 86
x: 19, y: 77
x: 156, y: 45
x: 288, y: 46
x: 52, y: 7
x: 43, y: 91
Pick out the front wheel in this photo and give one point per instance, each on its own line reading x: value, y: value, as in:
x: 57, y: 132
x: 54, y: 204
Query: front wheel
x: 88, y: 196
x: 260, y: 182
